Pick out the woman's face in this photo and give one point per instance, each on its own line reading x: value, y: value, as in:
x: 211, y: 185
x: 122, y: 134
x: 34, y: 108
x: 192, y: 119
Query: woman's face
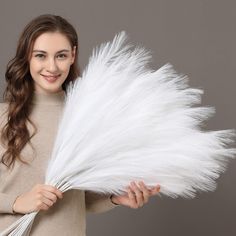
x: 50, y: 62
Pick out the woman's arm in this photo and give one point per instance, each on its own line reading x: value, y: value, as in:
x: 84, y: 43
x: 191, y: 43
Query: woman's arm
x: 97, y: 203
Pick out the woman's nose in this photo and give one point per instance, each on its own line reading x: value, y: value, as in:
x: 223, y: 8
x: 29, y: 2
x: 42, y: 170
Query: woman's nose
x: 52, y: 66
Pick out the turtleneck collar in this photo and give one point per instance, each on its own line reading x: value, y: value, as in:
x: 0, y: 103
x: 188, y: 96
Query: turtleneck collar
x: 49, y: 99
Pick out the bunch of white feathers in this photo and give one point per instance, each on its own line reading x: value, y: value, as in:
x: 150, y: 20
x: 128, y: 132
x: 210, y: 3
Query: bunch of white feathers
x: 124, y: 122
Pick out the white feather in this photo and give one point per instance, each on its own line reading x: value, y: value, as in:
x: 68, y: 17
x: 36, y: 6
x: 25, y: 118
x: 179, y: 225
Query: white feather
x: 124, y: 122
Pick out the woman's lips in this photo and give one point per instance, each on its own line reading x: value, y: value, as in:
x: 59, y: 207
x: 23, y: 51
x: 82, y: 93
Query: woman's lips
x: 51, y: 78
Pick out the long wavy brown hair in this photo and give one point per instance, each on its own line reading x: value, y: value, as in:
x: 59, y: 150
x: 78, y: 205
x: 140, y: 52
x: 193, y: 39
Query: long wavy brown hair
x: 19, y: 90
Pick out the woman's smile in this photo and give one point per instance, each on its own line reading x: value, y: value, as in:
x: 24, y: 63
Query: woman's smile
x: 50, y: 78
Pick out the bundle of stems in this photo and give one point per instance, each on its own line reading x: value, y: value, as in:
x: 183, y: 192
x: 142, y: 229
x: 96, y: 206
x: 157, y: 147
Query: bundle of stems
x: 123, y: 122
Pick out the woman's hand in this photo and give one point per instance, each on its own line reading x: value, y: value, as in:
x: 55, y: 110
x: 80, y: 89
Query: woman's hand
x: 137, y: 195
x: 41, y: 197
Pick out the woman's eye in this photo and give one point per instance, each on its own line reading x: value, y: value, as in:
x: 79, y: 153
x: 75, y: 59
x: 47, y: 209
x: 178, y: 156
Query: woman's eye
x: 40, y: 55
x: 62, y: 56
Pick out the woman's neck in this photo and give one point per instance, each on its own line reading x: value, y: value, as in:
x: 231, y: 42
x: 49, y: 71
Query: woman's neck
x: 56, y: 98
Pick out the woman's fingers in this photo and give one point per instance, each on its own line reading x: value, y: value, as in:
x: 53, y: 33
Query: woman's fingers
x: 132, y: 198
x: 155, y: 190
x: 47, y: 201
x: 53, y: 190
x: 144, y: 189
x: 44, y: 207
x: 138, y: 194
x: 43, y: 203
x: 50, y: 196
x: 47, y: 196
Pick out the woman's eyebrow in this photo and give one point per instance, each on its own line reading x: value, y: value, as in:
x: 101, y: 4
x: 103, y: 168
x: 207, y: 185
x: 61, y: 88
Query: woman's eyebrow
x: 41, y: 51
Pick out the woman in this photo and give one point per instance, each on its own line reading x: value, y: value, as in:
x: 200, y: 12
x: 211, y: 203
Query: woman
x: 37, y: 77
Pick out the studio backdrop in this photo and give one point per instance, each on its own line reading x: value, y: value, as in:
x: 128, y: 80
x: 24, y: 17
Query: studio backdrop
x: 198, y: 39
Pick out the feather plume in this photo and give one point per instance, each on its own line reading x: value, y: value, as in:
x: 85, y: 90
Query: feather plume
x: 124, y: 122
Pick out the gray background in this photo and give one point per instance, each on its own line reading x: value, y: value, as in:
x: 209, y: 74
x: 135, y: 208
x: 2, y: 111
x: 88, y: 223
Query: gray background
x: 198, y: 38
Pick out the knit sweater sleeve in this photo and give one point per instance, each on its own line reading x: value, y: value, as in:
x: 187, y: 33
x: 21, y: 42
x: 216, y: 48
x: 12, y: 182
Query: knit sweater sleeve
x: 97, y: 203
x: 6, y: 203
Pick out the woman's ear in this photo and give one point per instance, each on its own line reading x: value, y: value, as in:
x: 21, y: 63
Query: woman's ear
x: 73, y: 54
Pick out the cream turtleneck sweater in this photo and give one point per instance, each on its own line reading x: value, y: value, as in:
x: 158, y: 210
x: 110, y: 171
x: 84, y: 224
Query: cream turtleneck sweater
x: 68, y: 215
